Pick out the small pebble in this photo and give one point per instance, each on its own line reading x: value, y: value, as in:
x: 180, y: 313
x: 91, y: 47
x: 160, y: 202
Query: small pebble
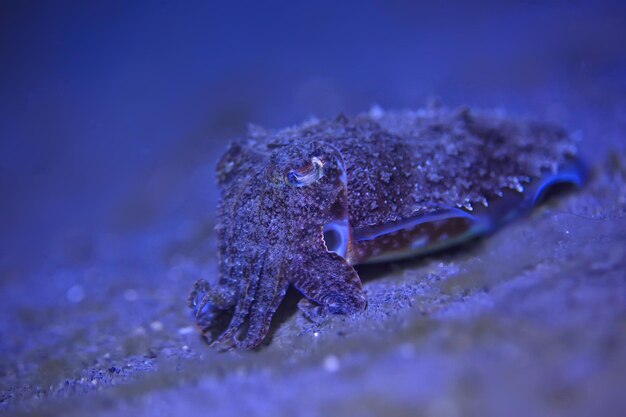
x: 156, y: 326
x: 139, y: 331
x: 376, y: 112
x: 185, y: 330
x: 130, y: 295
x: 406, y: 350
x: 331, y: 363
x: 75, y: 294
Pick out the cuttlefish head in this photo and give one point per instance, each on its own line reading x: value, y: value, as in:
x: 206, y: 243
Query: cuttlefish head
x: 313, y: 188
x: 283, y: 220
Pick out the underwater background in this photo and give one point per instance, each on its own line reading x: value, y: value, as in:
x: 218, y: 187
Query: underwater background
x: 112, y: 117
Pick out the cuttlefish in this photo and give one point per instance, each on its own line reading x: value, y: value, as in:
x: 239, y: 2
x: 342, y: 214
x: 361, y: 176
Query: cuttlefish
x: 301, y: 206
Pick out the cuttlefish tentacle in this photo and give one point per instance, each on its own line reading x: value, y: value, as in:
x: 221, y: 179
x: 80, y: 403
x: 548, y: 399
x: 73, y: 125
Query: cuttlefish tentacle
x: 233, y: 255
x: 242, y: 269
x: 329, y: 284
x: 238, y: 180
x: 269, y: 295
x: 214, y: 297
x: 210, y: 311
x: 254, y: 271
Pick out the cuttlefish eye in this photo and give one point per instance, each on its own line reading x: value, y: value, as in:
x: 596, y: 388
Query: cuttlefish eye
x: 306, y: 175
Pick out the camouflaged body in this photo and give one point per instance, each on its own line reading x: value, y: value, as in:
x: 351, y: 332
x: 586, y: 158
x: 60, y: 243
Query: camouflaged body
x: 281, y: 189
x: 401, y: 163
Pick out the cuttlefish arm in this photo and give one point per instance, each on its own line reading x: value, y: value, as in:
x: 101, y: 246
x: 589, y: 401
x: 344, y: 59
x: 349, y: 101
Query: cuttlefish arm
x: 327, y: 281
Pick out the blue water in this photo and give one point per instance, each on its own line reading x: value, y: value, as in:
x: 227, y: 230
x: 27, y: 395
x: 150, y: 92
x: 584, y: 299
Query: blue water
x: 113, y: 113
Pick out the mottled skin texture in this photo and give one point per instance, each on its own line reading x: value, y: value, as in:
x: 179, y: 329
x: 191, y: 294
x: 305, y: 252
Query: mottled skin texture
x: 280, y: 188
